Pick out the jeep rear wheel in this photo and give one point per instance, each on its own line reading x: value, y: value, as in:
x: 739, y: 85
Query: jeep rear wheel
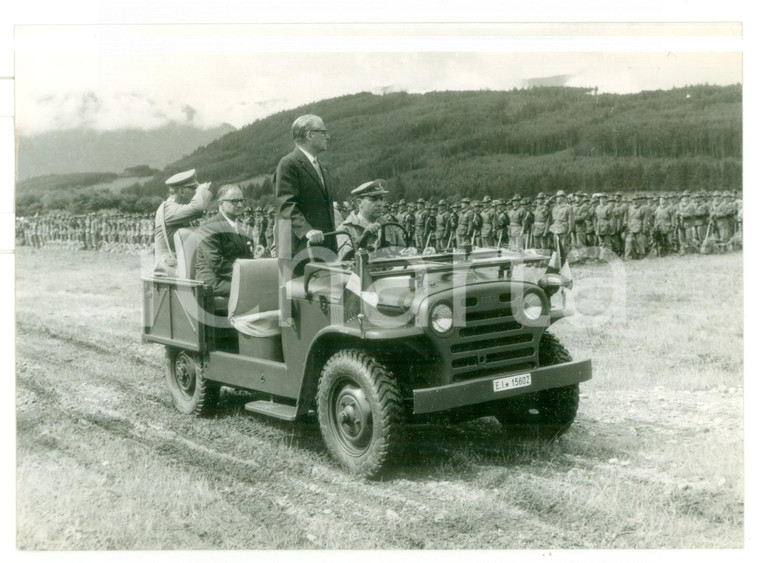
x: 190, y: 391
x: 549, y: 413
x: 360, y: 412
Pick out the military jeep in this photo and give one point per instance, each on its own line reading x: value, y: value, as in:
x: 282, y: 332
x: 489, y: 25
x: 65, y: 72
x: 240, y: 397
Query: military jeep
x: 371, y: 343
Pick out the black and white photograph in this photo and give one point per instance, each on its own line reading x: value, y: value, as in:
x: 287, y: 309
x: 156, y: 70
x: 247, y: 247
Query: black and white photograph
x: 311, y: 285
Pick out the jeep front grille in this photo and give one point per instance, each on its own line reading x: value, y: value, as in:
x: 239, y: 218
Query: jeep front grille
x: 491, y: 340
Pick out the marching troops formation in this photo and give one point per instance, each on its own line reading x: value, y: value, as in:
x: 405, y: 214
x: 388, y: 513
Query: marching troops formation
x: 631, y: 226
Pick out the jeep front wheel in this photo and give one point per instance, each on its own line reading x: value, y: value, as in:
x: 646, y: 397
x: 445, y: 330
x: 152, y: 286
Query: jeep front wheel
x: 360, y: 411
x: 549, y: 413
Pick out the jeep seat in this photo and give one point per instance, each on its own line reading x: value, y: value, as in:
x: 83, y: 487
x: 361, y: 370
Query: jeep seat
x: 186, y: 244
x: 254, y: 305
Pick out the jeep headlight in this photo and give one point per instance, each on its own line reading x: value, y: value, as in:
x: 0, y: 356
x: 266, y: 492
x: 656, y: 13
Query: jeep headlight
x: 533, y: 306
x: 441, y: 318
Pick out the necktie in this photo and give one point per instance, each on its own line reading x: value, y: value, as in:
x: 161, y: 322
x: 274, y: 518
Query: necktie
x: 319, y: 171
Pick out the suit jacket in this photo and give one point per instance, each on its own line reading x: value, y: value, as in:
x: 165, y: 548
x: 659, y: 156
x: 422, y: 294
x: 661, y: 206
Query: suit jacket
x: 303, y: 204
x: 218, y: 249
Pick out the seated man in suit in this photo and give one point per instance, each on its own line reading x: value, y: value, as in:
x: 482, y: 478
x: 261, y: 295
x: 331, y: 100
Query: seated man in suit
x: 222, y: 241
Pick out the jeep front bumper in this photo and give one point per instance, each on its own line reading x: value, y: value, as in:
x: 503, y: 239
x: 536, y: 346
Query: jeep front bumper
x: 483, y: 389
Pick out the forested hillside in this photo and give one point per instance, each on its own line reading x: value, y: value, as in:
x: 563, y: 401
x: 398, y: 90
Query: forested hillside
x: 448, y: 144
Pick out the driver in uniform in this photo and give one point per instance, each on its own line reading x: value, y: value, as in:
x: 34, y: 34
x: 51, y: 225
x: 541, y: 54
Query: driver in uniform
x: 364, y: 223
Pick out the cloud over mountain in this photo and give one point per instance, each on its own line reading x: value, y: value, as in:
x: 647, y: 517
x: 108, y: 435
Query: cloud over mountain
x: 99, y: 112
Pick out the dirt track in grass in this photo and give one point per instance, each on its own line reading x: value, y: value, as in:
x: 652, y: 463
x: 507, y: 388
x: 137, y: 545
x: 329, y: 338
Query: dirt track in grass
x: 104, y: 461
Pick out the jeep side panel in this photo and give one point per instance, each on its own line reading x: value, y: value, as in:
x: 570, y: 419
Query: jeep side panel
x: 173, y: 311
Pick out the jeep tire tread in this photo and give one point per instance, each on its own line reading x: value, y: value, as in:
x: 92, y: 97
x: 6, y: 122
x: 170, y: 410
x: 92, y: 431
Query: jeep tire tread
x: 191, y: 392
x: 360, y: 412
x: 549, y: 413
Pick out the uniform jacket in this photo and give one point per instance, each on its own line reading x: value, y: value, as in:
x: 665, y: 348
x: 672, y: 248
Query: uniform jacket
x: 488, y: 227
x: 664, y: 219
x: 563, y: 220
x: 303, y: 203
x: 603, y: 219
x: 636, y: 219
x: 176, y: 215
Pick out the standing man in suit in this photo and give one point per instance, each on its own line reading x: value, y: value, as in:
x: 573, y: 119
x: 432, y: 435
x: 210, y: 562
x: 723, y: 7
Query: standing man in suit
x: 304, y: 200
x: 223, y: 240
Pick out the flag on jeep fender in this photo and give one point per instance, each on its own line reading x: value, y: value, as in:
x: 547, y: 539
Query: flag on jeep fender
x: 558, y: 262
x: 352, y: 296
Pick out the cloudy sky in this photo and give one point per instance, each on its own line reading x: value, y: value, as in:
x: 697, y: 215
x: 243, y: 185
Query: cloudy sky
x: 114, y: 76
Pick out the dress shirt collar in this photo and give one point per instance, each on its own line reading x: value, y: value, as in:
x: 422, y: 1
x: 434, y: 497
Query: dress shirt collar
x: 310, y: 156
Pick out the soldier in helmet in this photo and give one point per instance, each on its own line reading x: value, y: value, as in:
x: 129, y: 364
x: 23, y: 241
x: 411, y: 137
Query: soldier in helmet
x: 663, y: 227
x: 516, y: 216
x: 502, y: 224
x: 603, y: 219
x: 420, y: 223
x: 477, y: 223
x: 701, y: 216
x: 635, y: 230
x: 488, y: 225
x: 541, y: 220
x: 429, y: 225
x: 563, y: 220
x: 442, y: 226
x: 581, y: 213
x: 464, y: 223
x: 409, y: 223
x: 619, y: 209
x: 452, y: 226
x: 527, y: 223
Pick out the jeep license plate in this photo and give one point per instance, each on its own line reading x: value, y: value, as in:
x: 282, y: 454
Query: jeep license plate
x: 512, y: 382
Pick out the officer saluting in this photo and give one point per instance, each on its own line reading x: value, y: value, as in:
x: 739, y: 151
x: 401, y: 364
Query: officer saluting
x: 187, y: 201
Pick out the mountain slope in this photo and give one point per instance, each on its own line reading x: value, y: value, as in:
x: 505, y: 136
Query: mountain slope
x: 78, y: 150
x: 450, y: 143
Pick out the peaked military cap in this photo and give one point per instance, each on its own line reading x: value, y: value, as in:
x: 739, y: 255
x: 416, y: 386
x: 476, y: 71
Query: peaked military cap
x: 420, y: 200
x: 487, y: 199
x: 187, y: 179
x: 402, y: 202
x: 442, y: 203
x: 465, y: 200
x: 370, y: 189
x: 561, y: 193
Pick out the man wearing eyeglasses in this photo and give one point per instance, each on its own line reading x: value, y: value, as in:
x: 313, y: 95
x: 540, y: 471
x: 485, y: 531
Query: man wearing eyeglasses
x: 304, y: 198
x: 223, y: 240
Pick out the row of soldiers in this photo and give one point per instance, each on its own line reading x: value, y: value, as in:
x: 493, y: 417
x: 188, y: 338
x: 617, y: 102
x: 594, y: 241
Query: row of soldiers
x: 630, y: 226
x: 130, y: 233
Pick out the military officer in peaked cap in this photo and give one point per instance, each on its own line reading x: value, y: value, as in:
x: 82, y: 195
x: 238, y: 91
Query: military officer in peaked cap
x: 365, y: 223
x: 187, y: 202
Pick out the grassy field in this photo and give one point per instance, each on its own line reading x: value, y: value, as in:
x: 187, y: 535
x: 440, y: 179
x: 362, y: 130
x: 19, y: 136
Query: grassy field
x: 655, y: 459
